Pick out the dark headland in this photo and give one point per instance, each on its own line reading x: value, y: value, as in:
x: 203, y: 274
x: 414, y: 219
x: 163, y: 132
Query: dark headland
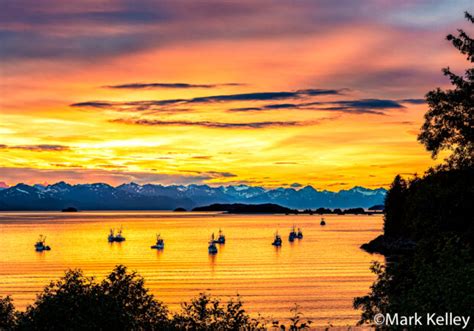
x: 240, y: 208
x: 271, y: 208
x: 69, y: 210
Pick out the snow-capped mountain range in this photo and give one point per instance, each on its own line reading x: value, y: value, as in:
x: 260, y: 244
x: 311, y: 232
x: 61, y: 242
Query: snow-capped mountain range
x: 132, y: 196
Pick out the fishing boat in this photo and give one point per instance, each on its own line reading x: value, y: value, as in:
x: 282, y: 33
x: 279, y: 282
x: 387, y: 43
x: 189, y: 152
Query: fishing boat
x: 277, y: 240
x: 323, y: 222
x: 220, y: 238
x: 160, y: 243
x: 292, y: 235
x: 41, y: 244
x: 299, y: 235
x: 212, y: 248
x: 115, y: 237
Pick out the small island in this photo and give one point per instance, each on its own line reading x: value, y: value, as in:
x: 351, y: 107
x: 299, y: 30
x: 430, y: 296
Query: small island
x: 180, y: 209
x: 69, y: 210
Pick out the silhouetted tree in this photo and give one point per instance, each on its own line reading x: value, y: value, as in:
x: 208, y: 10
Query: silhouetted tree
x: 437, y: 276
x: 394, y: 208
x: 76, y: 302
x: 7, y: 314
x: 124, y: 296
x: 449, y: 121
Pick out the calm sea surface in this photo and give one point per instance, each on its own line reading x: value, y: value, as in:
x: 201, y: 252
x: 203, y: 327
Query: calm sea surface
x: 322, y: 272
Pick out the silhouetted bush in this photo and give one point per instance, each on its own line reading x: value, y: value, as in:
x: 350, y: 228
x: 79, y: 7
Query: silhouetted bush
x: 121, y: 302
x: 206, y: 313
x: 76, y: 302
x: 7, y: 314
x: 437, y: 278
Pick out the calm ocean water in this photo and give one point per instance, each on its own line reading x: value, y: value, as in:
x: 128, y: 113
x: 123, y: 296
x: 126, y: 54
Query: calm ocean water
x: 322, y: 273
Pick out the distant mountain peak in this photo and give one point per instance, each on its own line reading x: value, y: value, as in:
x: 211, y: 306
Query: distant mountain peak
x: 308, y: 188
x: 60, y: 185
x: 156, y: 196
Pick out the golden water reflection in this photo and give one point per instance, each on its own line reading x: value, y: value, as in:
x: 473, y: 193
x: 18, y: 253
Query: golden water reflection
x: 323, y: 272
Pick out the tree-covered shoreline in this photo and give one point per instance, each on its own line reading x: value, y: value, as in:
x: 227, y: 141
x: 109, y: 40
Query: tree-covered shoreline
x: 428, y: 221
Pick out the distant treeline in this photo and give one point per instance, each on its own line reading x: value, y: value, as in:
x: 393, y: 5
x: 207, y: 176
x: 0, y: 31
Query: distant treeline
x: 270, y: 208
x: 339, y: 211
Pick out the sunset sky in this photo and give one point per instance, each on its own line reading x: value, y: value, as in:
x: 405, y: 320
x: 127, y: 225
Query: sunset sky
x: 269, y: 93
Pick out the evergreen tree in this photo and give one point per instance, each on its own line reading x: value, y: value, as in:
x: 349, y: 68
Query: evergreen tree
x: 394, y: 206
x: 449, y: 121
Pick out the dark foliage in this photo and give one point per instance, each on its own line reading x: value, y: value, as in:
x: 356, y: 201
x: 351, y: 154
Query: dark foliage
x: 449, y: 122
x: 121, y: 302
x: 437, y: 274
x: 205, y: 313
x: 437, y: 278
x: 440, y: 202
x: 76, y: 302
x: 394, y: 202
x: 7, y: 314
x: 435, y: 211
x: 298, y: 322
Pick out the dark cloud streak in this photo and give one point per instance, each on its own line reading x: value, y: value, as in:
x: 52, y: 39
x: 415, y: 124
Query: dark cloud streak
x: 256, y: 96
x: 414, y: 101
x: 146, y: 86
x: 214, y: 125
x: 38, y: 148
x: 361, y: 106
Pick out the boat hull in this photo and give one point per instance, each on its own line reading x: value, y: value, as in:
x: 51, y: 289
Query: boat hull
x: 41, y: 249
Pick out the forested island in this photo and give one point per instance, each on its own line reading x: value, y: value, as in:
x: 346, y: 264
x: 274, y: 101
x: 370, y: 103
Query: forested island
x: 271, y: 208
